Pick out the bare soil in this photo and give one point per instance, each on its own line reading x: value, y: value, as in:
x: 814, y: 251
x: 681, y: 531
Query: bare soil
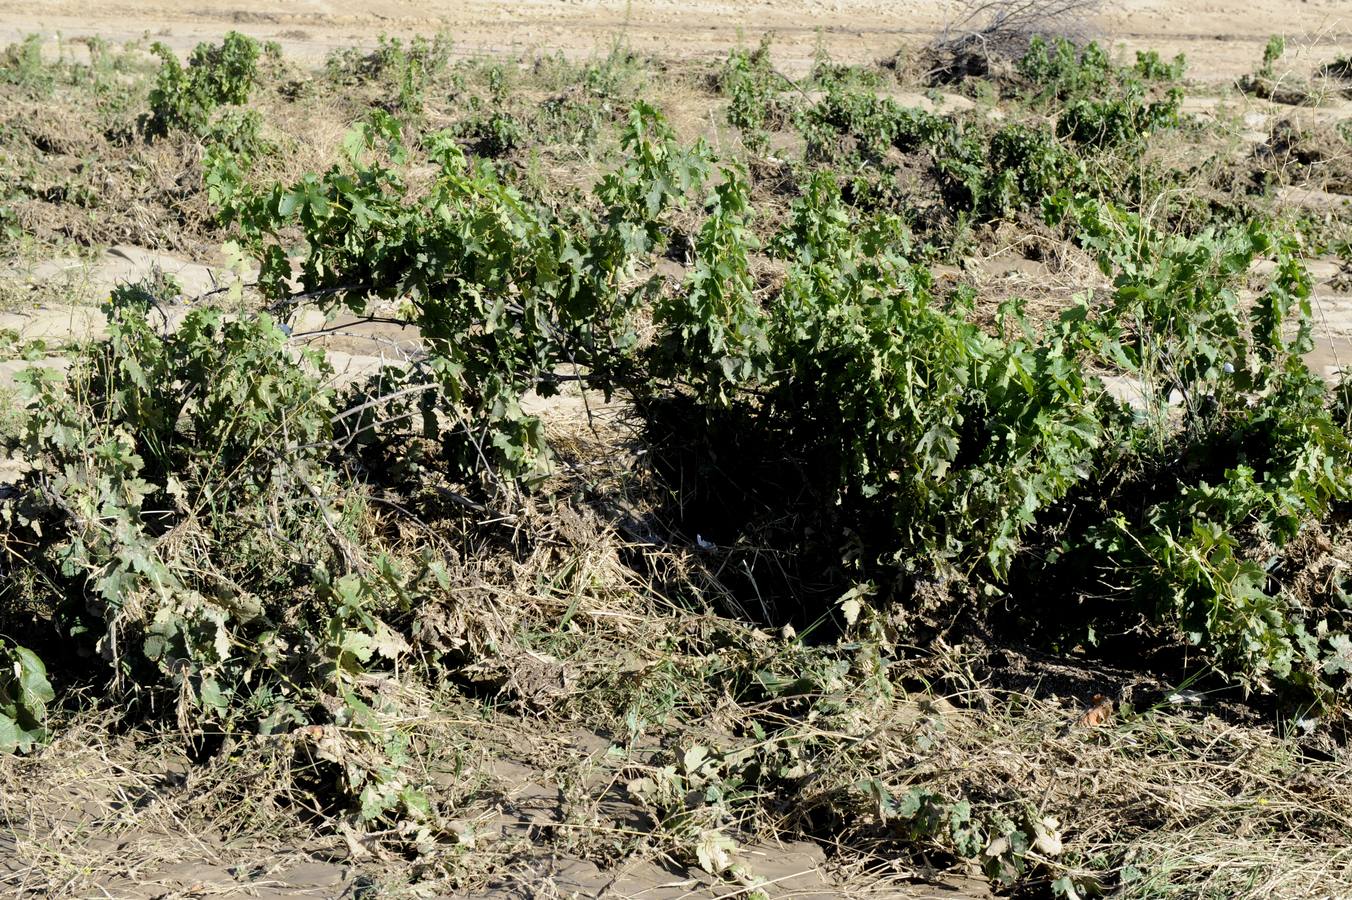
x: 1221, y: 39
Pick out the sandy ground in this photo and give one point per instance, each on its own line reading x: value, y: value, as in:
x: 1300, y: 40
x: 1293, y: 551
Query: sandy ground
x: 1222, y: 39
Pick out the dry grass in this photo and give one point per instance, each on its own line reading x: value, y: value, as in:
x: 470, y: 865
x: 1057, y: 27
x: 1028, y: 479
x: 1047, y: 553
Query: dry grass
x: 96, y: 812
x: 569, y: 641
x: 1186, y: 805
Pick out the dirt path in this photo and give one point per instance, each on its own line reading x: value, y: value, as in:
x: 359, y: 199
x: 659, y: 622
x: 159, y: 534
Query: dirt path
x: 1221, y: 39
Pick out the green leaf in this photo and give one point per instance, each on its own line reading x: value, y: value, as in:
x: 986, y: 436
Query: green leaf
x: 34, y: 688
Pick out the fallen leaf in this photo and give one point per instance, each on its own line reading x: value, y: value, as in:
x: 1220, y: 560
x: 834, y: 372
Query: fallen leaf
x: 1100, y: 711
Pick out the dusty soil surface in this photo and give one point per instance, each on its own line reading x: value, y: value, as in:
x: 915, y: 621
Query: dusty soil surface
x: 1222, y: 39
x: 115, y: 815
